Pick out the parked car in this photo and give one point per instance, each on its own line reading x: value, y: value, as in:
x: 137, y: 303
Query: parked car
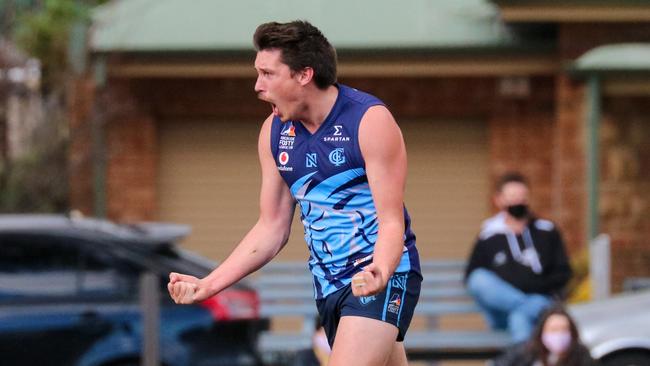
x: 69, y: 295
x: 616, y: 330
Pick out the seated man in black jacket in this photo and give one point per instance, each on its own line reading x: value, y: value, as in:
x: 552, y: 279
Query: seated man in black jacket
x: 518, y: 263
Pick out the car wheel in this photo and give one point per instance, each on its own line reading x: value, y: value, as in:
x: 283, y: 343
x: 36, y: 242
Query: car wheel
x: 628, y: 358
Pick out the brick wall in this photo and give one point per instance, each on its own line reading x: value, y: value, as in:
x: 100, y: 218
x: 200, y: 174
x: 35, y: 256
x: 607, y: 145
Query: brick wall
x: 625, y: 184
x: 81, y: 96
x: 623, y: 212
x: 129, y: 147
x: 130, y: 140
x: 569, y: 182
x: 520, y: 133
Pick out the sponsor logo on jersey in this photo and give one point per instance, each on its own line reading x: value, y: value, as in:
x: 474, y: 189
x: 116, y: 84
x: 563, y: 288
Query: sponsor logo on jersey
x: 337, y: 156
x: 394, y: 303
x: 286, y: 143
x: 337, y: 135
x: 311, y: 160
x: 287, y: 136
x: 283, y: 159
x: 288, y: 130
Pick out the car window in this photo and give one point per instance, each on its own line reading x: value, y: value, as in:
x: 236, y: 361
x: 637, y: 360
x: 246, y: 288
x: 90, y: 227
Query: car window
x: 48, y: 268
x: 101, y: 274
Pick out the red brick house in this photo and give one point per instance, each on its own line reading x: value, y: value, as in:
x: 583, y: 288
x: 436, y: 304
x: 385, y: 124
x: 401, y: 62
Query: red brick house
x: 164, y: 123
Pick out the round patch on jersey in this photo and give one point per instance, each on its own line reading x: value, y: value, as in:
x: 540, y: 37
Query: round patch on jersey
x: 283, y: 158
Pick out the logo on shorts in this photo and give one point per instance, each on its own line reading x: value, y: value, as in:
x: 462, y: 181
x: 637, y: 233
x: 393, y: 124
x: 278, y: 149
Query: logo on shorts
x: 394, y: 303
x: 365, y: 300
x: 398, y: 282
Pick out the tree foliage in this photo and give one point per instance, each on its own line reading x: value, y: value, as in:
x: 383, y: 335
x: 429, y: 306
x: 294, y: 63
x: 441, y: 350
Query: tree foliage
x: 44, y: 33
x: 38, y: 181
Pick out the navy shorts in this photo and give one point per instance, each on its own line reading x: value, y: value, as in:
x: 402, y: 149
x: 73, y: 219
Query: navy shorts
x: 394, y: 305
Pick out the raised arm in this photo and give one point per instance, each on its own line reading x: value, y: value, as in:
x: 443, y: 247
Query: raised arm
x: 263, y: 242
x: 384, y: 153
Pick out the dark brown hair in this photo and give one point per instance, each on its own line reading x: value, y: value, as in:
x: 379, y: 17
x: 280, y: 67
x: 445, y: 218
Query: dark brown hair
x: 302, y: 45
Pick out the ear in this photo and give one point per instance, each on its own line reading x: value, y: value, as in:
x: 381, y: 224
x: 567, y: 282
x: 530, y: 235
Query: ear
x: 305, y: 76
x: 497, y: 201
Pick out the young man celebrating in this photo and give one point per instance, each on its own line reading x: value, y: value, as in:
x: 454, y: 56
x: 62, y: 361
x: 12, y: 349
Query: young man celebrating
x: 340, y: 155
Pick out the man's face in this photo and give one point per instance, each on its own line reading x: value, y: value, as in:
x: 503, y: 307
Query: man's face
x: 513, y: 193
x: 276, y: 84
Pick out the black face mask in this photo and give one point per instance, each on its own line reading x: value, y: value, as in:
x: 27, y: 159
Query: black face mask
x: 518, y: 211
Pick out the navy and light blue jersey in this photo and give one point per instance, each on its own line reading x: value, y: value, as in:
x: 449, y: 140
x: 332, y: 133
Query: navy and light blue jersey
x: 326, y: 174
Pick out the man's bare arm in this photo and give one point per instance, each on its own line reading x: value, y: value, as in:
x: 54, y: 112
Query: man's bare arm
x: 384, y: 153
x: 263, y: 242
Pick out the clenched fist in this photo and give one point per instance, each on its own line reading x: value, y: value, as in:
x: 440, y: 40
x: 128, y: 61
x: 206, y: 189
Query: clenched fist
x: 370, y: 281
x: 186, y: 289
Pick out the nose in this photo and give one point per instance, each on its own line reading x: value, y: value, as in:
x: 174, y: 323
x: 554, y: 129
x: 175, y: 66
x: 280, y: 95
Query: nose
x: 258, y: 85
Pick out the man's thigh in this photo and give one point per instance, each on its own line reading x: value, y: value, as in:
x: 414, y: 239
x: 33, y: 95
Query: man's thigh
x: 395, y: 305
x: 363, y: 341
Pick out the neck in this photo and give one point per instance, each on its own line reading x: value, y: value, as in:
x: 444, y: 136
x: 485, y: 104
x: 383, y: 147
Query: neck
x: 318, y: 106
x: 516, y: 225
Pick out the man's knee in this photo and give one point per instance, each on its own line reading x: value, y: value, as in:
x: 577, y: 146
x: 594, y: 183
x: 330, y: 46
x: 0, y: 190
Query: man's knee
x: 398, y: 356
x: 480, y: 280
x: 534, y: 305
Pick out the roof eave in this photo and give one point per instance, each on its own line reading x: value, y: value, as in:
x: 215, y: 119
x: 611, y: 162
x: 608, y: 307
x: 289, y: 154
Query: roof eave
x: 586, y: 72
x: 573, y: 11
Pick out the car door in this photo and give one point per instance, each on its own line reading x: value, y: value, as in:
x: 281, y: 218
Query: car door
x: 56, y: 300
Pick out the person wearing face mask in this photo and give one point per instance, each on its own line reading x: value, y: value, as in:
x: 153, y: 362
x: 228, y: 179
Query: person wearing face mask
x: 555, y: 342
x: 518, y: 264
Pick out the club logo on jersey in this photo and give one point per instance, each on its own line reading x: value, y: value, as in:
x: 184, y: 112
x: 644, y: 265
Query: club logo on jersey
x: 337, y: 156
x: 365, y: 300
x: 283, y: 159
x: 311, y: 160
x: 394, y: 303
x: 337, y: 135
x: 287, y: 136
